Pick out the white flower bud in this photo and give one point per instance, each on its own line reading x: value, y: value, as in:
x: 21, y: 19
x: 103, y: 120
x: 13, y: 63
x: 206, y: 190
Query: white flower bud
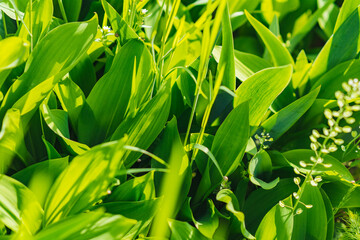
x: 282, y: 204
x: 315, y: 133
x: 333, y: 148
x: 296, y: 171
x: 326, y: 131
x: 299, y: 211
x: 339, y: 95
x: 302, y: 163
x: 338, y: 129
x: 350, y: 120
x: 339, y: 141
x: 333, y: 134
x: 324, y: 150
x: 313, y: 183
x: 318, y: 179
x: 296, y: 196
x: 347, y: 129
x: 336, y: 114
x: 297, y: 180
x: 313, y: 146
x: 355, y: 108
x: 313, y: 139
x: 346, y: 87
x: 308, y: 205
x: 327, y: 165
x: 347, y: 114
x: 319, y: 160
x: 328, y: 113
x: 340, y: 103
x: 331, y: 122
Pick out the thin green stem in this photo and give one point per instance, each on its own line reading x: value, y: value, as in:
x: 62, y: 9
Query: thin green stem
x: 4, y: 23
x: 62, y: 10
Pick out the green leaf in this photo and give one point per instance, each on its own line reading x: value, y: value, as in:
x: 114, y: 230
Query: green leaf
x: 343, y: 45
x: 346, y: 10
x: 14, y: 8
x: 256, y: 207
x: 84, y: 181
x: 57, y: 121
x: 271, y: 8
x: 282, y: 121
x: 51, y: 167
x: 277, y: 223
x: 246, y: 64
x: 329, y: 215
x: 337, y: 170
x: 91, y: 225
x: 135, y: 210
x: 146, y: 125
x: 342, y: 194
x: 183, y: 231
x: 260, y: 170
x: 279, y: 54
x: 136, y: 189
x: 72, y: 9
x: 19, y: 208
x: 71, y: 98
x: 110, y: 97
x: 230, y: 141
x: 331, y: 81
x: 307, y: 26
x: 261, y: 89
x: 312, y: 222
x: 37, y: 21
x: 12, y: 139
x: 60, y: 49
x: 232, y: 205
x: 14, y: 52
x: 227, y: 52
x: 118, y: 24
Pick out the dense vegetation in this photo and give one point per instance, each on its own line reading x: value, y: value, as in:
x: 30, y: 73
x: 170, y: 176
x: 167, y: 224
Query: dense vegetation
x: 179, y: 119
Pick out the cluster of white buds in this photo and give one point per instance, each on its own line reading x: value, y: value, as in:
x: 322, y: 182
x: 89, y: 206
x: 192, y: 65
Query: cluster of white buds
x: 263, y: 139
x: 347, y: 103
x: 106, y: 31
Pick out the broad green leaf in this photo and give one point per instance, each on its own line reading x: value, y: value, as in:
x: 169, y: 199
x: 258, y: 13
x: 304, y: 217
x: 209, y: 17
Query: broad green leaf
x: 50, y: 149
x: 91, y: 225
x: 136, y: 189
x: 52, y: 167
x: 255, y: 207
x: 60, y: 49
x: 37, y: 21
x: 14, y: 52
x: 260, y: 171
x: 277, y: 223
x: 312, y: 222
x: 343, y: 45
x: 57, y: 121
x: 184, y: 231
x: 232, y: 205
x: 331, y: 81
x: 71, y: 98
x: 337, y: 170
x: 146, y: 125
x: 342, y: 194
x: 281, y: 121
x: 237, y: 11
x: 142, y: 211
x: 176, y: 182
x: 84, y: 182
x: 12, y: 139
x: 279, y: 54
x: 227, y: 52
x: 19, y: 208
x: 246, y: 64
x: 230, y: 141
x: 118, y: 24
x: 110, y: 97
x: 345, y: 11
x: 261, y: 89
x: 329, y: 214
x: 84, y: 75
